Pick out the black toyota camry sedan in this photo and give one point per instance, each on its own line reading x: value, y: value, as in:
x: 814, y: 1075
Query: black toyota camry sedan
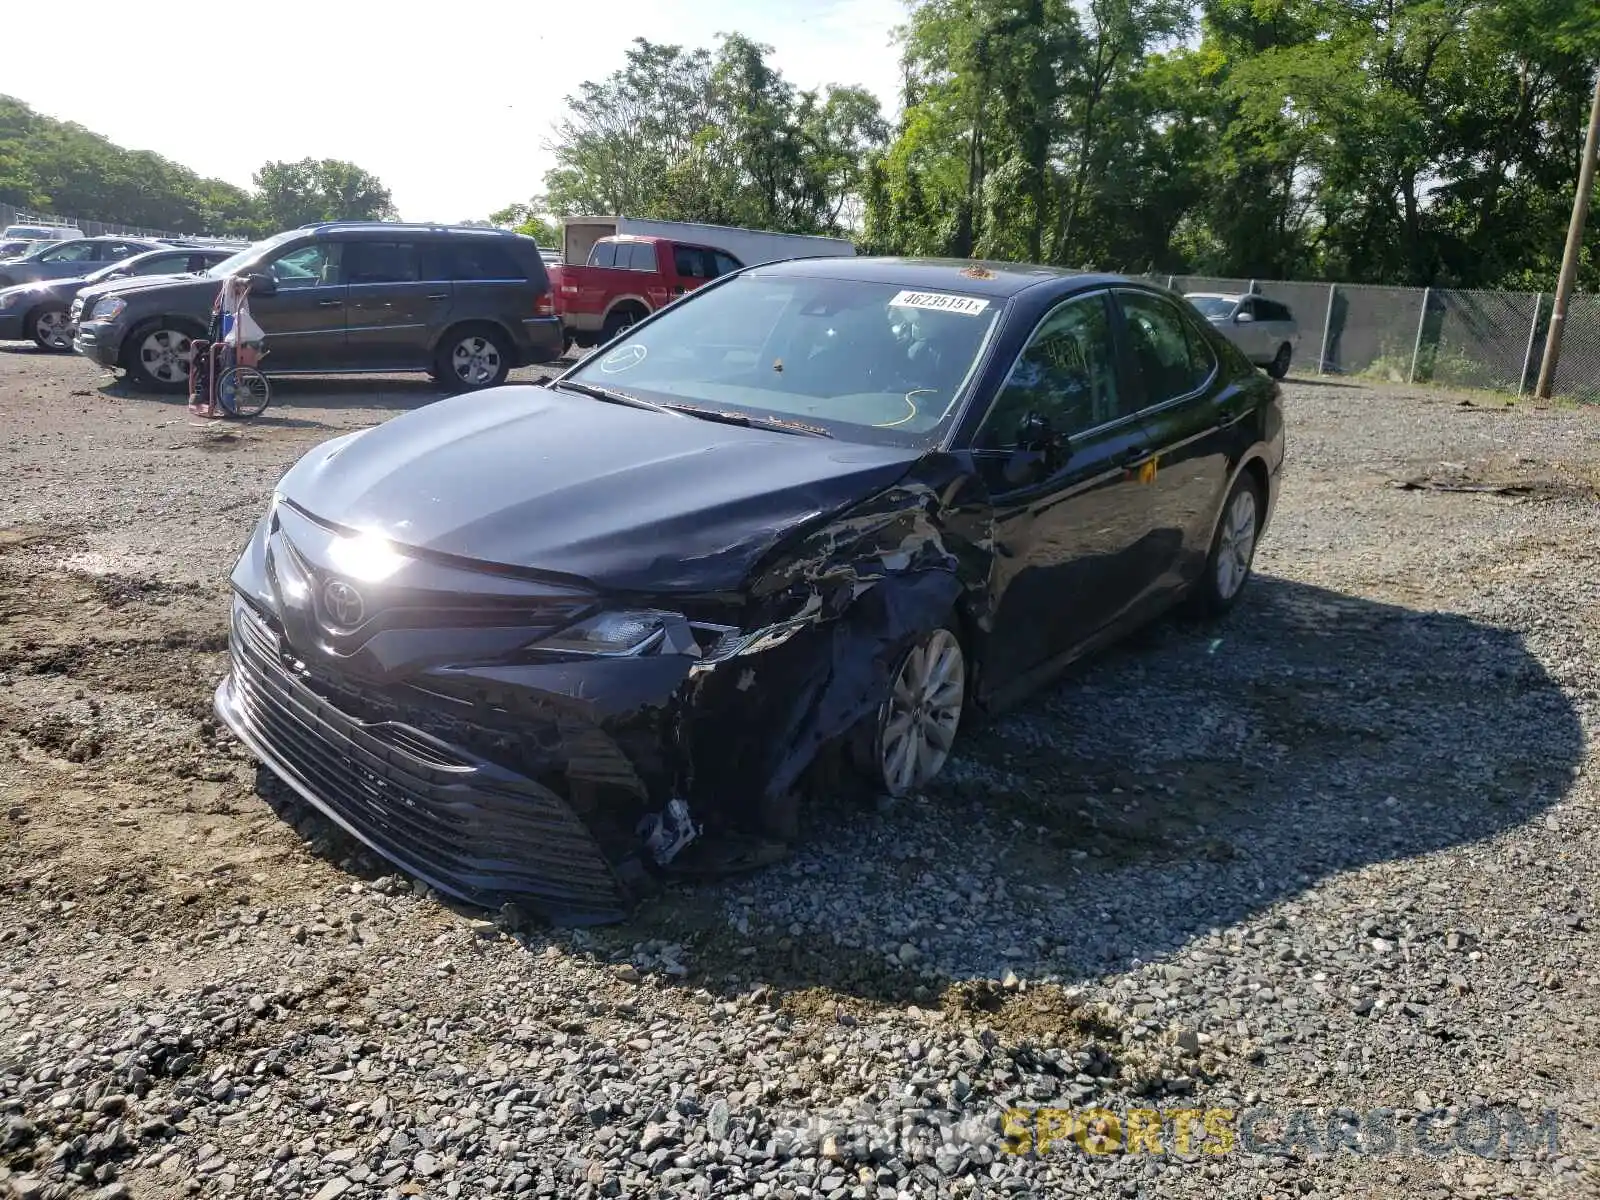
x: 544, y: 643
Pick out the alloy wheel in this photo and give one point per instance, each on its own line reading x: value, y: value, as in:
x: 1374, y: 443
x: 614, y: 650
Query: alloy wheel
x: 53, y: 329
x: 917, y: 724
x: 1236, y: 545
x: 476, y: 360
x: 166, y: 354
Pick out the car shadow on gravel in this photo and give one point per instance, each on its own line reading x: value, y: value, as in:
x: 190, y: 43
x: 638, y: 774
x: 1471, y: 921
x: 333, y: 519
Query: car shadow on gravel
x: 1187, y: 781
x: 1190, y: 780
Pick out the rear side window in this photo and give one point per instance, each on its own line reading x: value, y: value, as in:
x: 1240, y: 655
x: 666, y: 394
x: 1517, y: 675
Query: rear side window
x: 1172, y: 359
x: 692, y: 262
x: 382, y: 262
x: 726, y: 263
x: 469, y: 259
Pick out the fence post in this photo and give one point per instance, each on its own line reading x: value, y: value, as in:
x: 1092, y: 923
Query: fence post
x: 1327, y: 327
x: 1170, y: 278
x: 1252, y: 291
x: 1416, y: 346
x: 1533, y: 332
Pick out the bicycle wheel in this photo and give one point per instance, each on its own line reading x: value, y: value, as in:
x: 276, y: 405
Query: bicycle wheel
x: 243, y: 392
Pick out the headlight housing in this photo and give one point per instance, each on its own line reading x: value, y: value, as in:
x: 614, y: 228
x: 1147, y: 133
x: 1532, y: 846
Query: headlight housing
x: 10, y: 299
x: 108, y: 308
x: 619, y: 633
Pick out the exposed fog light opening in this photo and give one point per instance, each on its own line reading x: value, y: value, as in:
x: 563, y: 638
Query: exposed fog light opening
x: 667, y: 832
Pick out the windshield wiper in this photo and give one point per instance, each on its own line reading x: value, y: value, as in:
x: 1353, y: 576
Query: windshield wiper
x: 777, y: 425
x: 611, y: 397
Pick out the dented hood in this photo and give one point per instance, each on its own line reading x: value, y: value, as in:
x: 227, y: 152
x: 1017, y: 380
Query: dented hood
x: 625, y: 498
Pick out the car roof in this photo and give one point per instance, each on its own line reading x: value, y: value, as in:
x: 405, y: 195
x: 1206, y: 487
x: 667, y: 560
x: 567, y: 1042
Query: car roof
x: 974, y: 278
x: 392, y: 227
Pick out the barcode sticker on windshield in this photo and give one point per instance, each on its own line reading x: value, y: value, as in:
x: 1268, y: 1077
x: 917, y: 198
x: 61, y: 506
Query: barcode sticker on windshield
x: 940, y: 302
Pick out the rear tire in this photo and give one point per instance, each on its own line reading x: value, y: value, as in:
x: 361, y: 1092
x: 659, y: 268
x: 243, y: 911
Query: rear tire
x: 1279, y: 366
x: 471, y: 358
x: 51, y: 328
x: 620, y: 321
x: 1233, y: 550
x: 158, y: 355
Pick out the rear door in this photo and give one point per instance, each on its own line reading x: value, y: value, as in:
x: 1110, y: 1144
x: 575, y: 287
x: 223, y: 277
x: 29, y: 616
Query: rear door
x: 693, y: 266
x: 304, y: 319
x: 1189, y: 406
x: 389, y: 307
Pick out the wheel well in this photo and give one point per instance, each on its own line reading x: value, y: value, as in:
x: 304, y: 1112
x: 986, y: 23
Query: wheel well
x: 1257, y: 470
x: 636, y: 307
x: 462, y: 327
x: 27, y: 317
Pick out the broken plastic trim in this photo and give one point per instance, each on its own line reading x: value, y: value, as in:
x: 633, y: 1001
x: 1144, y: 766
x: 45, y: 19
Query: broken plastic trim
x: 666, y: 833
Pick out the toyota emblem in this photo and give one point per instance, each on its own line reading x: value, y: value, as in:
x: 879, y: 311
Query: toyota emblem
x: 343, y: 603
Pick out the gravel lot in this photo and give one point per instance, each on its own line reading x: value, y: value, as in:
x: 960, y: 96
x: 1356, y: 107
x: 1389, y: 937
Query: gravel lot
x: 1338, y: 852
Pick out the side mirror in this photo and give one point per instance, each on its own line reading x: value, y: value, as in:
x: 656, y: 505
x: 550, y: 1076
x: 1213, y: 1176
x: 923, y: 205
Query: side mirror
x: 1040, y: 450
x: 1243, y: 318
x: 262, y: 284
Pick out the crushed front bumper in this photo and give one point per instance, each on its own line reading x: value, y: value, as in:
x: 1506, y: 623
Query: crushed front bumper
x: 465, y: 826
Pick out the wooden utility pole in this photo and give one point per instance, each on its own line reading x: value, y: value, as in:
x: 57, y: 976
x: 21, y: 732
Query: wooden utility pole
x: 1569, y: 258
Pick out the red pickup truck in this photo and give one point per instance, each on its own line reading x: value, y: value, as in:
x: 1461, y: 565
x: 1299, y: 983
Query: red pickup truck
x: 626, y: 279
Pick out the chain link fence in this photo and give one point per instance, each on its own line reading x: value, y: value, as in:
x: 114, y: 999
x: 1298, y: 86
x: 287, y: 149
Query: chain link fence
x: 1459, y: 338
x: 13, y: 216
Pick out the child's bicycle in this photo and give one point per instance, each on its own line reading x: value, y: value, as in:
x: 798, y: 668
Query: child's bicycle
x: 223, y: 377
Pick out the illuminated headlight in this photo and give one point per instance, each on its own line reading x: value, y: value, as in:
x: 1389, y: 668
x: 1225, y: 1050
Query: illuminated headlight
x: 618, y: 634
x: 108, y: 309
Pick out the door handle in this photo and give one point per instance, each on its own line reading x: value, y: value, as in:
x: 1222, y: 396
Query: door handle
x: 439, y: 296
x: 329, y: 303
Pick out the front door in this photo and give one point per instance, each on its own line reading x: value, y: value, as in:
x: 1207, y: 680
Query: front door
x: 1072, y: 520
x: 304, y: 319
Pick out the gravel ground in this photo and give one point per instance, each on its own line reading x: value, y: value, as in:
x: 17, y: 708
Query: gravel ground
x: 1336, y: 854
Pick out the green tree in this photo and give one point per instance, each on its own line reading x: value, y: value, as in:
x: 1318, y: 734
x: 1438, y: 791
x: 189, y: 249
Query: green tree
x: 529, y: 219
x: 290, y: 194
x: 717, y: 137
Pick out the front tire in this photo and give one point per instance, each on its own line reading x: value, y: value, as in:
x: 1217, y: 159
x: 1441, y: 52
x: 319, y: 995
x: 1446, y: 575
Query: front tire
x: 51, y: 328
x: 472, y: 358
x: 158, y: 356
x: 1279, y: 366
x: 1233, y: 549
x: 915, y: 728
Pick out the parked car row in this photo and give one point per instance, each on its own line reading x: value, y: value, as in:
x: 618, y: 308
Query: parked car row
x: 41, y: 310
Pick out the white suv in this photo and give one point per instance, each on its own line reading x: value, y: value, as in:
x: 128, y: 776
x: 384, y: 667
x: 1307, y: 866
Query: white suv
x: 40, y: 233
x: 1264, y: 329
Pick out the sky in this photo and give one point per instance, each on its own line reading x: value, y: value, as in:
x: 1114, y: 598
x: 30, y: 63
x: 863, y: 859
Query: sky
x: 450, y: 112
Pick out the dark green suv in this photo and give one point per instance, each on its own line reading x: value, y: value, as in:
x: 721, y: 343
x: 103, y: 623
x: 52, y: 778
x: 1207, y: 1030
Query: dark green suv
x: 465, y: 304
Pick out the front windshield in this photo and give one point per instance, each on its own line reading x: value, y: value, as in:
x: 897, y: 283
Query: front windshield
x: 1211, y: 306
x: 248, y: 255
x: 883, y: 362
